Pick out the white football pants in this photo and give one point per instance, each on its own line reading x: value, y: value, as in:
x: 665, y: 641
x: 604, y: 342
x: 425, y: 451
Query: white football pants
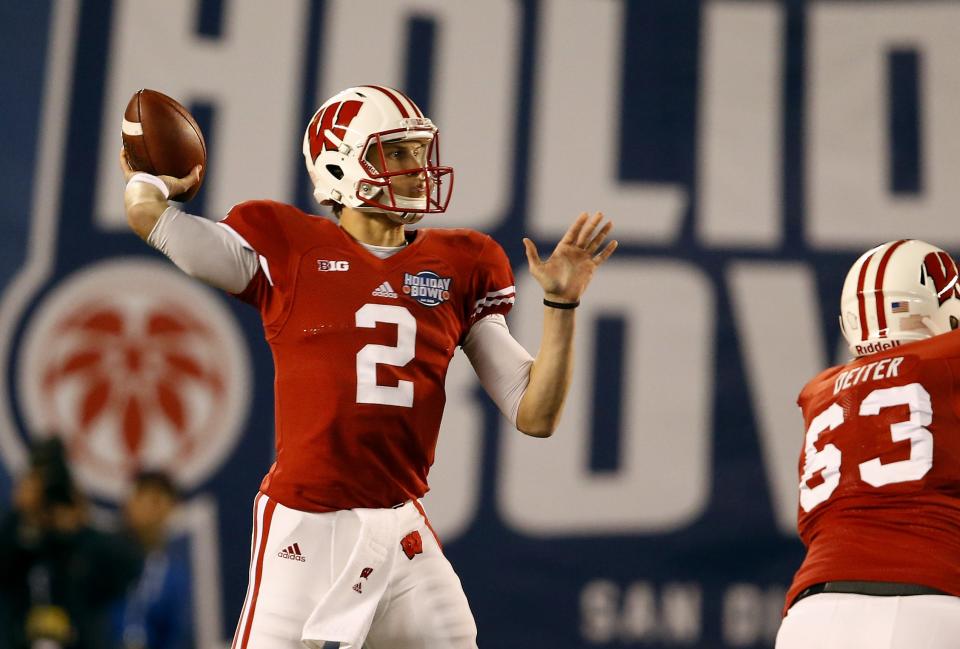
x: 848, y: 621
x: 375, y: 578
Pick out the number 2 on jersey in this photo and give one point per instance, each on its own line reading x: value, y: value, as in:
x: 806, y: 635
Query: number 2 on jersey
x: 873, y: 472
x: 368, y: 391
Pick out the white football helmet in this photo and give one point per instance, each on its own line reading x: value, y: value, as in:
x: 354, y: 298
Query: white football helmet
x: 899, y: 292
x: 346, y: 135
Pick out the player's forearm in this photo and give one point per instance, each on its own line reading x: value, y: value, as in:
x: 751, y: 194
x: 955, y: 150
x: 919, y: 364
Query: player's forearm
x: 542, y: 402
x: 144, y: 204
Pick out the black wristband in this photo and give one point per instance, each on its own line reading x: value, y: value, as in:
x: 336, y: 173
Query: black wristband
x: 561, y: 305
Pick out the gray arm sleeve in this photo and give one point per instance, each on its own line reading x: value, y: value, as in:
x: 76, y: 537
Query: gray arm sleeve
x: 204, y: 250
x: 501, y: 363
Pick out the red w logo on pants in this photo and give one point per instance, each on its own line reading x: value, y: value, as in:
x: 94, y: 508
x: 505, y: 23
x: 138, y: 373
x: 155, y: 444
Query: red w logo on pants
x: 334, y: 118
x: 412, y: 544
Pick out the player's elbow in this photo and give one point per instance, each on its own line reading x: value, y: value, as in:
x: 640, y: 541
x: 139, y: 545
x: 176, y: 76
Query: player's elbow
x: 142, y: 218
x: 541, y: 433
x: 537, y: 416
x: 543, y: 426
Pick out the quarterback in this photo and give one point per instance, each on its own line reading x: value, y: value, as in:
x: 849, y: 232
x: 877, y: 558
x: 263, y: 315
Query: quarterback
x: 363, y: 316
x: 879, y: 507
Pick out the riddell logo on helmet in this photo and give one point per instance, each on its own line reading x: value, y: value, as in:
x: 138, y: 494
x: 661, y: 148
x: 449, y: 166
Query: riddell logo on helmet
x: 878, y: 346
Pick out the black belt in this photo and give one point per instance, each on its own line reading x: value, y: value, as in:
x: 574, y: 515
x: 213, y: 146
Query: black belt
x: 875, y: 588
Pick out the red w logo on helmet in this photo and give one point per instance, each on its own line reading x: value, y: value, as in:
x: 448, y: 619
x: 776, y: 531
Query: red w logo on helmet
x: 940, y: 268
x: 334, y: 118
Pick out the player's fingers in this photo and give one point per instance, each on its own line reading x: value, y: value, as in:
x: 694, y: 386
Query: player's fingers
x: 604, y: 255
x: 599, y: 237
x: 180, y: 185
x: 586, y: 233
x: 191, y: 178
x: 533, y: 257
x: 574, y: 230
x: 124, y: 163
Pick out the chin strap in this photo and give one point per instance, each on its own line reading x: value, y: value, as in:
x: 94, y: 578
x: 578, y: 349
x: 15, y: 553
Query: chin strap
x: 409, y: 218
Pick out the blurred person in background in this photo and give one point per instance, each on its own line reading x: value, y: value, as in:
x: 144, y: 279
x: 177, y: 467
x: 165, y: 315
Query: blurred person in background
x: 156, y: 614
x: 58, y: 575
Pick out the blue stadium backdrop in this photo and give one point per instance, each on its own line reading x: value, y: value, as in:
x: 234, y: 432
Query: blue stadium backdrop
x: 747, y: 150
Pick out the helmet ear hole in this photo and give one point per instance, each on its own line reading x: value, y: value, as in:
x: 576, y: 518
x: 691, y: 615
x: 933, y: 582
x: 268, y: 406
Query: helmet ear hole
x: 954, y: 323
x: 335, y: 171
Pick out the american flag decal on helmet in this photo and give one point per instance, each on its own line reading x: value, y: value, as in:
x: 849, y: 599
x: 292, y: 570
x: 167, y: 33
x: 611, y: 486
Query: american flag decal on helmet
x: 877, y: 290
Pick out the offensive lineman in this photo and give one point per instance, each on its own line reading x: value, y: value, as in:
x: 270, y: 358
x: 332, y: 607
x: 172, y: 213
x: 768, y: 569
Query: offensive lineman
x: 363, y: 317
x: 880, y: 468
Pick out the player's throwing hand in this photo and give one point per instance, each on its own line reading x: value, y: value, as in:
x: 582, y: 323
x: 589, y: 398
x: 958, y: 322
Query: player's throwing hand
x: 565, y: 275
x: 175, y: 186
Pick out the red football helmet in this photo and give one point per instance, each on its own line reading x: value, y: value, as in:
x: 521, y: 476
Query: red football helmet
x: 343, y: 149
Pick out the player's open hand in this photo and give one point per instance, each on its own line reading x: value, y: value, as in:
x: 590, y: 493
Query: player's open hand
x: 566, y: 274
x: 177, y: 186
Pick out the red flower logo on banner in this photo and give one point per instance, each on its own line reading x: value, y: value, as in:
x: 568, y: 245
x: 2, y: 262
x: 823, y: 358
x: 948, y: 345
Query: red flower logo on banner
x: 133, y: 377
x: 134, y: 365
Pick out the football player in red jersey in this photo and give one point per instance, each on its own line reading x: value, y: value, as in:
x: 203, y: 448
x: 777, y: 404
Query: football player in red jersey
x: 879, y: 507
x: 363, y: 317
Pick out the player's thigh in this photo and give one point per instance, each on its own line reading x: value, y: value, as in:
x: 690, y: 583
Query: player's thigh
x: 927, y: 622
x: 833, y: 620
x: 425, y: 607
x: 290, y: 572
x: 844, y: 621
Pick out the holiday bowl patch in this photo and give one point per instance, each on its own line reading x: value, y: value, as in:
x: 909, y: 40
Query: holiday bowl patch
x: 427, y: 288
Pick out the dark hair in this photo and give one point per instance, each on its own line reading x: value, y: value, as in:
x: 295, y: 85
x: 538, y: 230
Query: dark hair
x: 337, y: 209
x: 48, y: 458
x: 157, y: 480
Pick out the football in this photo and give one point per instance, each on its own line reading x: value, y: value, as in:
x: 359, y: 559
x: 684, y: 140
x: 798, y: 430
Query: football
x: 162, y: 138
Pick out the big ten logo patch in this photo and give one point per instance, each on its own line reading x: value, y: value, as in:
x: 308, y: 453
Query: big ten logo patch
x: 331, y: 265
x: 135, y: 366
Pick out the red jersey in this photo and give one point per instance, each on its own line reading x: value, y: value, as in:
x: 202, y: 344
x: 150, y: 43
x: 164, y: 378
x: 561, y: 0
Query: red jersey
x: 880, y: 469
x: 360, y: 348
